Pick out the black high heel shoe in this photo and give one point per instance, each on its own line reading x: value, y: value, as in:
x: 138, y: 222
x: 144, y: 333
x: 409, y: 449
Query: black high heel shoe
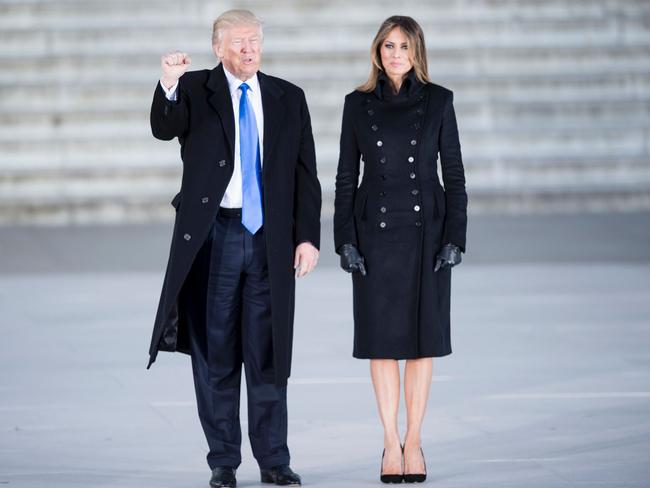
x: 388, y: 478
x: 417, y: 478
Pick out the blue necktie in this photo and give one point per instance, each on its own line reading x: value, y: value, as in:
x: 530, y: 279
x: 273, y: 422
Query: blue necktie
x: 251, y: 170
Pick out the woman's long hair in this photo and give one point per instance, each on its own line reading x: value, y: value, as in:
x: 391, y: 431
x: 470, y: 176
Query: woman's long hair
x: 417, y: 49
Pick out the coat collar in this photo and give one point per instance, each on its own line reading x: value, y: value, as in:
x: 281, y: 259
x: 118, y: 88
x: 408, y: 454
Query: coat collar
x: 274, y: 109
x: 410, y: 86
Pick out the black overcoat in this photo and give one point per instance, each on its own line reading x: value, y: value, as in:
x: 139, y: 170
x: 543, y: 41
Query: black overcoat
x: 400, y: 215
x: 202, y: 119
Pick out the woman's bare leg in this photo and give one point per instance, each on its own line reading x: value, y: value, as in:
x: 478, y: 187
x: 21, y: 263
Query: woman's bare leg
x: 417, y: 383
x: 385, y: 380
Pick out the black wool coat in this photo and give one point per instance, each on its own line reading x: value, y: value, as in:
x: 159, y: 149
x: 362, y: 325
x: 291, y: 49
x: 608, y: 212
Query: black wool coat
x: 202, y: 119
x: 400, y: 215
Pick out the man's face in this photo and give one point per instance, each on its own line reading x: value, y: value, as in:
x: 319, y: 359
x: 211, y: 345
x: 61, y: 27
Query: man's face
x: 240, y: 50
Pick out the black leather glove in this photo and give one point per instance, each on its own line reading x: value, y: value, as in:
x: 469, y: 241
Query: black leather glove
x: 351, y: 260
x: 448, y: 257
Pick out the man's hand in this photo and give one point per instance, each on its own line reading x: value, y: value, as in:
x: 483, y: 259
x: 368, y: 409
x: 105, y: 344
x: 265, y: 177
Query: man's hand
x: 174, y: 65
x: 305, y: 259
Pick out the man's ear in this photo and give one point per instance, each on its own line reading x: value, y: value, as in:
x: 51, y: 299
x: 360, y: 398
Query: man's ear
x: 218, y: 49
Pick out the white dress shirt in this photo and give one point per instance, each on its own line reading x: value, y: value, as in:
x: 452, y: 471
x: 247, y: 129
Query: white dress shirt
x: 233, y: 196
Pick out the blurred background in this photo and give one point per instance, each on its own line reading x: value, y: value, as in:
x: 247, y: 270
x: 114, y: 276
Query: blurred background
x: 550, y: 380
x: 552, y: 97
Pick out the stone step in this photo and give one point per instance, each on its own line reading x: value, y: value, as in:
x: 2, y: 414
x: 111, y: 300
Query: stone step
x: 116, y: 177
x: 131, y: 120
x: 29, y: 12
x: 440, y: 32
x: 114, y: 68
x: 608, y: 142
x: 144, y: 182
x: 137, y: 94
x: 127, y: 207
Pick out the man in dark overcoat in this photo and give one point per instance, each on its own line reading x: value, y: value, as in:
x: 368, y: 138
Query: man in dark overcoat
x: 247, y: 223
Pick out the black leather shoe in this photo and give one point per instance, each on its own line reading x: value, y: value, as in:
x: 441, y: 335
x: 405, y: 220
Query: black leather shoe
x: 388, y: 478
x: 419, y: 477
x: 280, y: 475
x: 223, y: 477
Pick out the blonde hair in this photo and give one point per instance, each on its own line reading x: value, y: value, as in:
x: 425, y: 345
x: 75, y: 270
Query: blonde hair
x: 417, y: 49
x: 232, y: 18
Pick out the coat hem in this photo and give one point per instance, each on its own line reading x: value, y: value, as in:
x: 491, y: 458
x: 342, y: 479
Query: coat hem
x: 436, y: 354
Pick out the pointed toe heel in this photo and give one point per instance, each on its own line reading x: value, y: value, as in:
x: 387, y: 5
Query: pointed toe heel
x: 418, y: 477
x: 388, y: 478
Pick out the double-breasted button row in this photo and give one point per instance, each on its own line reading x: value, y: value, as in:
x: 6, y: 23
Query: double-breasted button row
x: 379, y: 142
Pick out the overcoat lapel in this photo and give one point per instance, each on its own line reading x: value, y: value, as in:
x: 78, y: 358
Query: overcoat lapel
x: 274, y: 112
x: 221, y: 101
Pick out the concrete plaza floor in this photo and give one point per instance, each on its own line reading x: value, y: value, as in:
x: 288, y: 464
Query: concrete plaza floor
x: 548, y: 385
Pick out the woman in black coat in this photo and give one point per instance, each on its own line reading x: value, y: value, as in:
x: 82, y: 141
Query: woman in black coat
x: 400, y: 232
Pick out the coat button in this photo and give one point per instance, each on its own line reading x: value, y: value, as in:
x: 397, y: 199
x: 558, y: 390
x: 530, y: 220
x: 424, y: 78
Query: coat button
x: 413, y: 142
x: 411, y: 159
x: 382, y: 225
x: 379, y: 143
x: 187, y: 237
x: 205, y: 200
x: 420, y: 111
x: 222, y: 163
x: 416, y: 208
x: 374, y: 127
x: 416, y: 126
x: 371, y: 112
x: 382, y: 209
x: 414, y: 192
x: 382, y: 193
x: 418, y: 224
x: 382, y: 160
x: 412, y: 176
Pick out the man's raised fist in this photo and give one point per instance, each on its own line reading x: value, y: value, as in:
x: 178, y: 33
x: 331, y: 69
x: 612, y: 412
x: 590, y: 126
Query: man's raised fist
x: 174, y: 65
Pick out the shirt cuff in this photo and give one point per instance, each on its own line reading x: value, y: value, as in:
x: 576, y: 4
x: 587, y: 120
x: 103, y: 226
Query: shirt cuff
x: 171, y: 93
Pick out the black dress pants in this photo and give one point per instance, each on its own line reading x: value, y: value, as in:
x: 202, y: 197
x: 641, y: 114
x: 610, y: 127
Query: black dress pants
x: 227, y: 305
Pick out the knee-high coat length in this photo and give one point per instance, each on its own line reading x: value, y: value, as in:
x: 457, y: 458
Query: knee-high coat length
x: 202, y: 119
x: 400, y: 215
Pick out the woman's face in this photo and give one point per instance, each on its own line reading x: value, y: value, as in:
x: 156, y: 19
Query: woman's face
x: 395, y: 54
